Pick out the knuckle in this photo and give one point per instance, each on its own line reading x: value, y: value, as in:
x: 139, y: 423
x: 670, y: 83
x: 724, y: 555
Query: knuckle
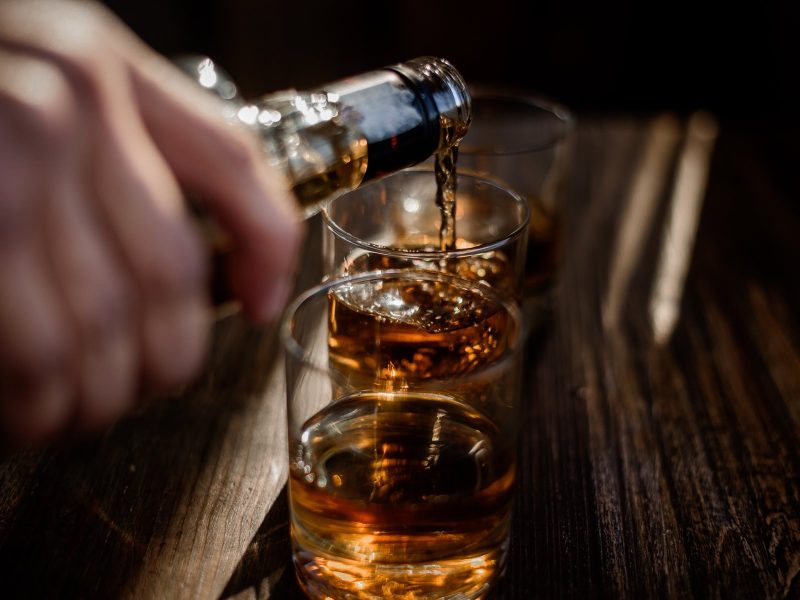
x: 41, y: 102
x: 97, y: 14
x: 84, y: 48
x: 82, y: 31
x: 106, y: 311
x: 55, y: 117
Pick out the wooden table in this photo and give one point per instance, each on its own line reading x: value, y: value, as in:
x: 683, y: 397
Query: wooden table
x: 656, y: 461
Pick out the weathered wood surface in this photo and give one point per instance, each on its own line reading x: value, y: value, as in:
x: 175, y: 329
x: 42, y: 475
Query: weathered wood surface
x: 671, y: 470
x: 647, y: 469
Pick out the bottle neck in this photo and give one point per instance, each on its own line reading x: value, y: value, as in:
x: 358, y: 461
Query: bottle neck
x: 443, y: 88
x: 402, y: 110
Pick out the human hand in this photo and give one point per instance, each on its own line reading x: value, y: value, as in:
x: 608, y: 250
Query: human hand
x: 102, y: 277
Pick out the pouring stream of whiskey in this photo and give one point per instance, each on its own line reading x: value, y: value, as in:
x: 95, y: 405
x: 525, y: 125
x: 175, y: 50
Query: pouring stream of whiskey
x: 446, y: 180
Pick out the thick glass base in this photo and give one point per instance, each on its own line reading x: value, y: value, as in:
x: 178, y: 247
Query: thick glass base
x: 467, y: 577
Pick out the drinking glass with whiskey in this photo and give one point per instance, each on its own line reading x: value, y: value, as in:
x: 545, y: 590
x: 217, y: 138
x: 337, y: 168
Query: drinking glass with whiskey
x: 524, y: 141
x: 403, y: 404
x: 396, y: 223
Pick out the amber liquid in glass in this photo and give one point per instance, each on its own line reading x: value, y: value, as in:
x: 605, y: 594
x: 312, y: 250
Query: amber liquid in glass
x: 400, y: 495
x: 346, y: 173
x: 423, y: 329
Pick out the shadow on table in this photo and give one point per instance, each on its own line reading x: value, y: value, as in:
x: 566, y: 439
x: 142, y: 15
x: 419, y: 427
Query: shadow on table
x: 266, y: 568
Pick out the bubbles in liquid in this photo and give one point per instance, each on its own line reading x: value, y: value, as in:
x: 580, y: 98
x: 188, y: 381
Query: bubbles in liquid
x: 431, y: 306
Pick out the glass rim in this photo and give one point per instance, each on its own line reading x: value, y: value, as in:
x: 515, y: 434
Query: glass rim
x: 487, y: 92
x: 297, y: 352
x: 338, y: 230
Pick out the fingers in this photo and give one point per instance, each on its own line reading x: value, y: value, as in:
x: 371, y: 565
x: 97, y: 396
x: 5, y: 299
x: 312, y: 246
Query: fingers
x: 142, y: 206
x: 66, y: 339
x: 102, y: 277
x: 111, y: 274
x: 36, y: 337
x: 221, y: 163
x: 36, y: 348
x: 102, y: 303
x: 225, y: 165
x: 134, y: 191
x: 93, y: 288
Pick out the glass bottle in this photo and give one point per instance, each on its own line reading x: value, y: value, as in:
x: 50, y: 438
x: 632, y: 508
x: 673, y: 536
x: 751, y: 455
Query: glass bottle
x: 327, y: 141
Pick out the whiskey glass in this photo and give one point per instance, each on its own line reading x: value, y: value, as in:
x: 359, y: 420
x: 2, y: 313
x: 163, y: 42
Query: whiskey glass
x: 403, y: 409
x: 524, y: 141
x: 394, y: 223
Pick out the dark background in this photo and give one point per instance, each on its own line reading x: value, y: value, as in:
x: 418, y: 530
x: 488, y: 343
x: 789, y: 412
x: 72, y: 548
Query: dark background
x: 739, y: 60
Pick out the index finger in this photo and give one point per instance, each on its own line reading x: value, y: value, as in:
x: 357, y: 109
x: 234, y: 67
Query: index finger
x: 226, y: 166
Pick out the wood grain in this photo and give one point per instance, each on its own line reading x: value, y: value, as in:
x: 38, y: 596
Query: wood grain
x: 646, y: 470
x: 667, y: 472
